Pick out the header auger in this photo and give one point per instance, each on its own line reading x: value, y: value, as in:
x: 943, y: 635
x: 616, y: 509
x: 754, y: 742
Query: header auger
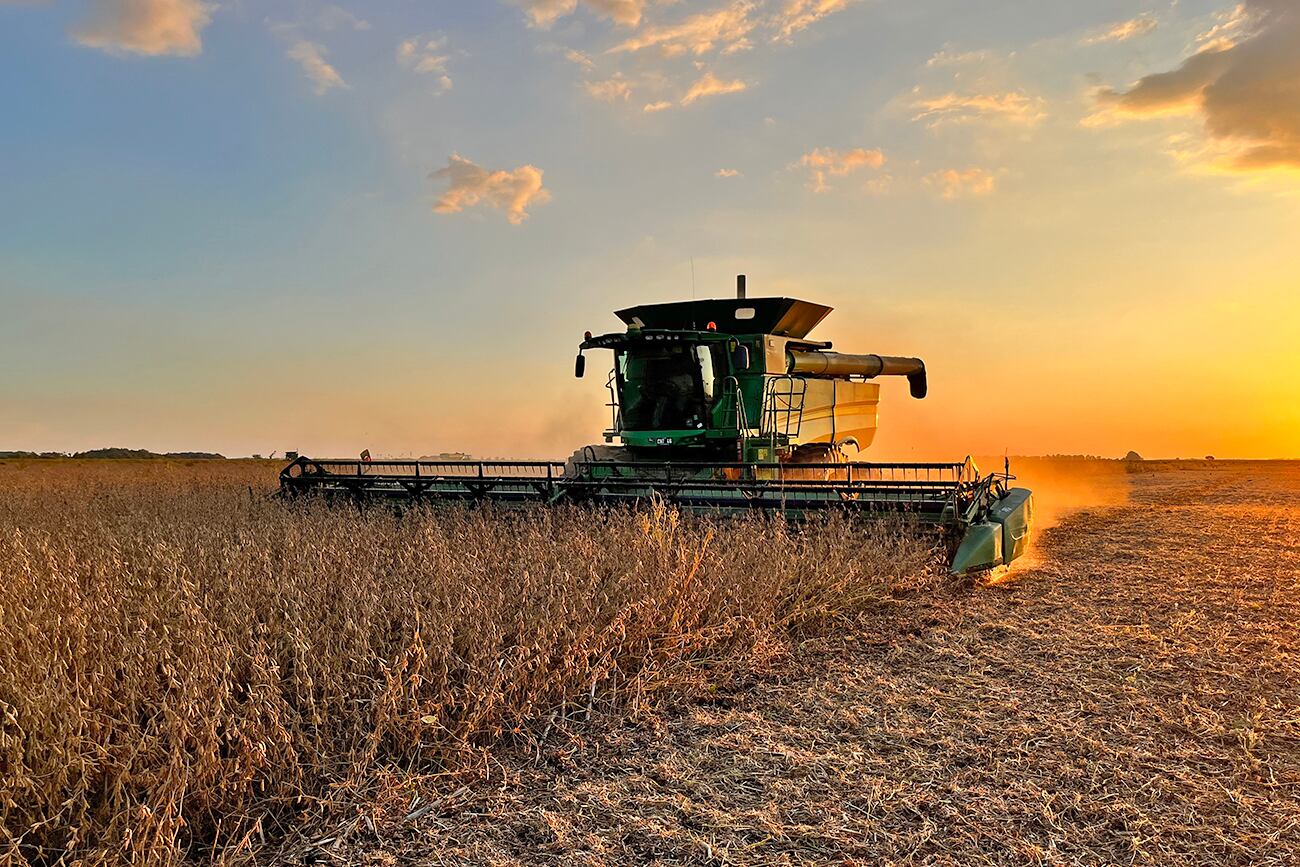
x: 725, y: 406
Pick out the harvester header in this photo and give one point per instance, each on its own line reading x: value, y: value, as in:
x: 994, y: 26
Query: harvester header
x: 726, y: 405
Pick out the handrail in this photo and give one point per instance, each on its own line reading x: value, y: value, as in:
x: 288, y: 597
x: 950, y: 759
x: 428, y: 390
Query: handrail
x: 731, y: 389
x: 793, y: 415
x: 954, y: 467
x: 615, y: 423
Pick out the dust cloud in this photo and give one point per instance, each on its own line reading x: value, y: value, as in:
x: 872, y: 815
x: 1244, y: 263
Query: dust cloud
x: 1061, y: 486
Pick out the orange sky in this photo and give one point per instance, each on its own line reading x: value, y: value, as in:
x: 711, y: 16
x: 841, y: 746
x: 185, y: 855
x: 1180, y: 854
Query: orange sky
x: 338, y: 227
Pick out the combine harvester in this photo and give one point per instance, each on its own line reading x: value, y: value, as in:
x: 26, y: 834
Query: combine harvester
x: 725, y: 406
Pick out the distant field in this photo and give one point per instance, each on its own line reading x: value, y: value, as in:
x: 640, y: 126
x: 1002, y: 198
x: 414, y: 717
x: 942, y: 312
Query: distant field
x: 189, y: 670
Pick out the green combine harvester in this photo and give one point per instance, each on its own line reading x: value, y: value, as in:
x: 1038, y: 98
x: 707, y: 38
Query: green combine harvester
x: 724, y: 406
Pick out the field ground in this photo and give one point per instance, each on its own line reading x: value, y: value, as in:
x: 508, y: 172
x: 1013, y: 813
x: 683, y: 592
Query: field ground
x: 1133, y: 697
x: 192, y: 672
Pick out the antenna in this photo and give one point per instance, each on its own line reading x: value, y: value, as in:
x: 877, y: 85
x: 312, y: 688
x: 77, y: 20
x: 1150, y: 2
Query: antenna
x: 692, y: 278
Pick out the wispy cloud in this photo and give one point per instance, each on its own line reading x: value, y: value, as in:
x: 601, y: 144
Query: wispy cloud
x: 1123, y: 31
x: 576, y: 57
x: 959, y: 183
x: 1228, y: 27
x: 728, y: 173
x: 615, y: 89
x: 946, y: 56
x: 338, y: 18
x: 470, y: 185
x: 328, y: 19
x: 1246, y: 92
x: 544, y: 13
x: 726, y: 29
x: 311, y: 57
x: 829, y: 162
x: 427, y: 55
x: 710, y: 85
x: 962, y: 108
x: 796, y: 15
x: 148, y: 27
x: 665, y: 56
x: 625, y: 12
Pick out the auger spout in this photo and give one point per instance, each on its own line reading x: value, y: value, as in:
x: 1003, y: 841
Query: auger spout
x: 819, y: 363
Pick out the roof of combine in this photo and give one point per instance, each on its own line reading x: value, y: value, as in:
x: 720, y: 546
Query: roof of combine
x: 788, y: 317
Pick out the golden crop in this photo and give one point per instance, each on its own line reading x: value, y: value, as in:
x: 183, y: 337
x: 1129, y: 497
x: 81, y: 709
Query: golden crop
x: 187, y: 667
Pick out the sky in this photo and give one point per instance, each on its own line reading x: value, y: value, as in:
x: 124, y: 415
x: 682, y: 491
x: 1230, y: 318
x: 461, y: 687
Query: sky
x: 260, y: 225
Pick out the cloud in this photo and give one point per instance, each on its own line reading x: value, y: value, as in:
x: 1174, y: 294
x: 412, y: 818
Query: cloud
x: 957, y: 183
x: 947, y: 57
x: 1122, y: 31
x: 879, y: 186
x: 544, y: 13
x: 653, y: 56
x: 1180, y: 91
x: 577, y: 57
x: 327, y: 19
x: 824, y: 162
x: 148, y: 27
x: 798, y: 15
x: 1230, y: 26
x: 338, y: 18
x: 614, y: 89
x: 1246, y: 92
x: 471, y: 185
x: 963, y: 108
x: 426, y: 55
x: 625, y: 12
x: 728, y: 173
x: 311, y: 57
x: 727, y: 28
x: 710, y: 85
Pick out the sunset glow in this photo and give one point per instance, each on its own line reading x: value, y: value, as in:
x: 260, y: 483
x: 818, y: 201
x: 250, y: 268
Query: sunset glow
x: 333, y: 226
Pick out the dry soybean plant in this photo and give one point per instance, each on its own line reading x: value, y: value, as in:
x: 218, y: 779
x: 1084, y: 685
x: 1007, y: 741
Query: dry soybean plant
x: 188, y: 669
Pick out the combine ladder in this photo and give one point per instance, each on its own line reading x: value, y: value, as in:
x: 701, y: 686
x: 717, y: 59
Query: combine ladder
x: 783, y: 401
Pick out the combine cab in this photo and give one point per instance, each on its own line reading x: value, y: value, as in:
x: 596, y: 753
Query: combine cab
x: 725, y: 406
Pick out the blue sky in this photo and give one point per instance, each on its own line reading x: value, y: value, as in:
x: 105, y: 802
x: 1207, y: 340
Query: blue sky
x: 220, y: 226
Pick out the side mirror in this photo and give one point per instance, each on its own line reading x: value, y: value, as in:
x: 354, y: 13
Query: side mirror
x: 740, y: 357
x: 580, y: 366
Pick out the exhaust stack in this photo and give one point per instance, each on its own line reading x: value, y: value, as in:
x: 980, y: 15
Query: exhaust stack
x: 740, y: 287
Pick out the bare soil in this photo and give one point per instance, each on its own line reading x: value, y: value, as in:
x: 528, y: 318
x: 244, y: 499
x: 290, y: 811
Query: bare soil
x: 1133, y: 697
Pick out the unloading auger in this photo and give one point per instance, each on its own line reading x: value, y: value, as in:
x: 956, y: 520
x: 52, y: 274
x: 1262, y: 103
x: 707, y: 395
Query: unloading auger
x: 725, y: 406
